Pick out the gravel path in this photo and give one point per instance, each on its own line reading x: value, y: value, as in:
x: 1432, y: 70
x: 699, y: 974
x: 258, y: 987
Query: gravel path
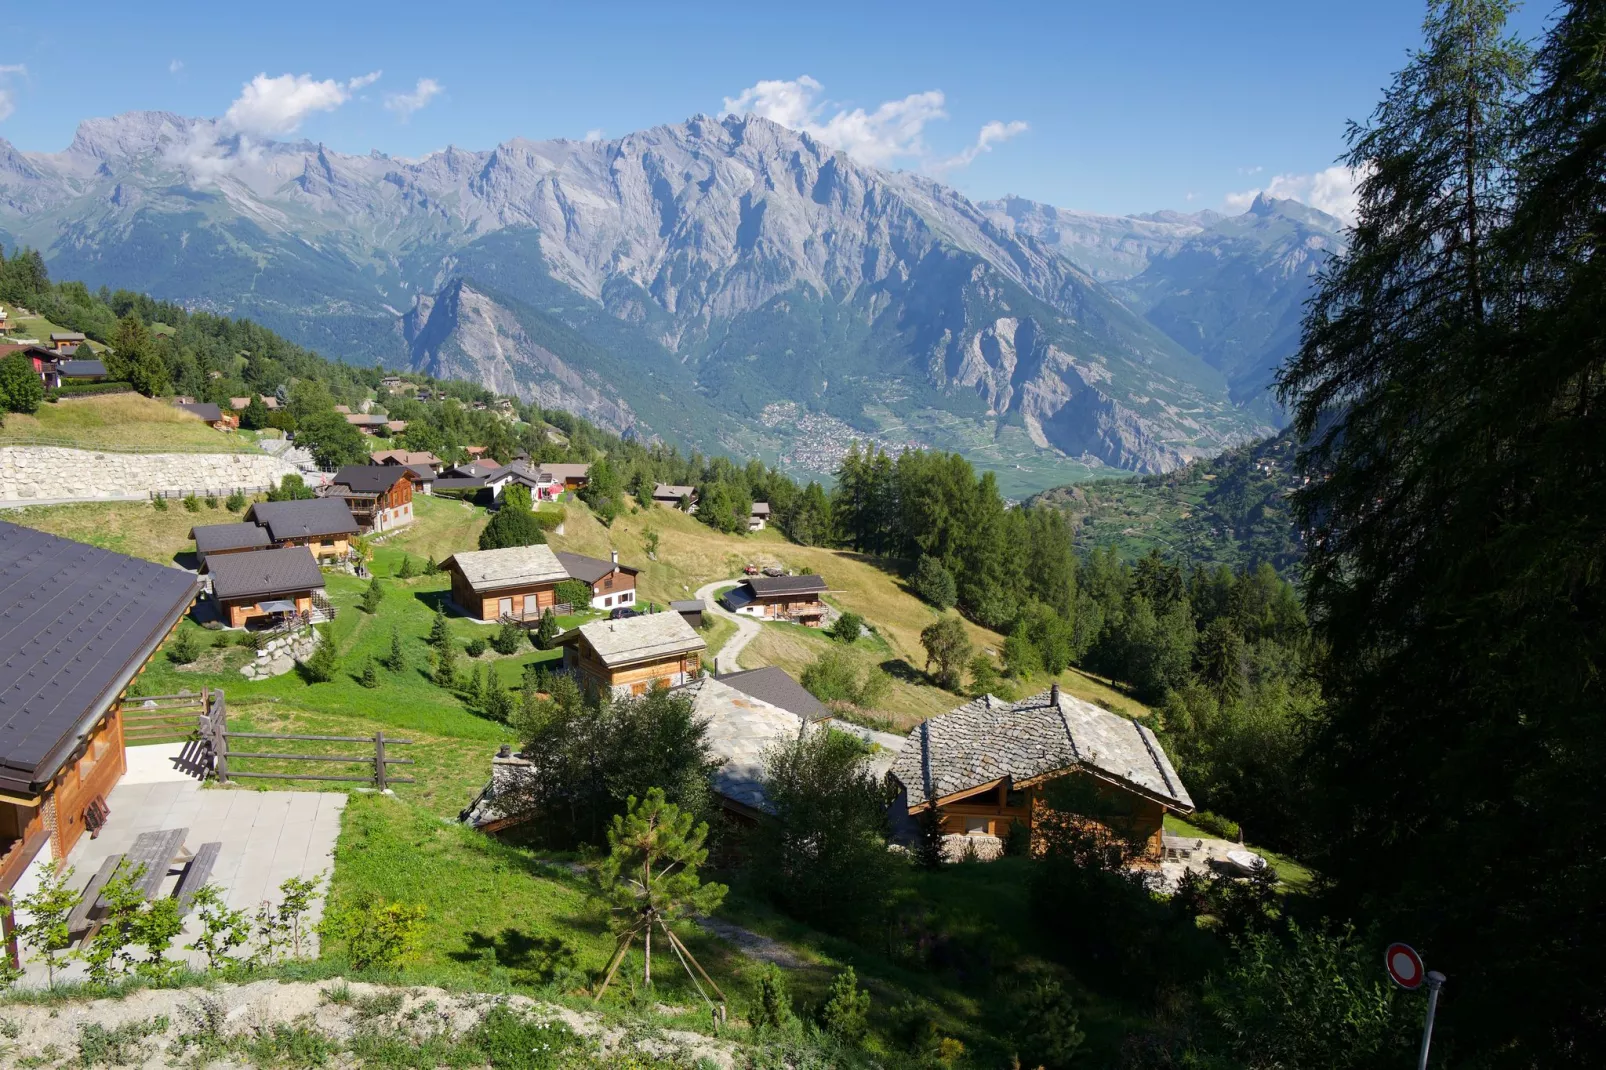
x: 746, y: 627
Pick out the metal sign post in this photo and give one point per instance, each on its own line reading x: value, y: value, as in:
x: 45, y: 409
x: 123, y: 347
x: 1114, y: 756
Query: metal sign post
x: 1435, y: 982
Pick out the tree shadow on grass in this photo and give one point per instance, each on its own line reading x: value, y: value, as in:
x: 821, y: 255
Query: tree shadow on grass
x: 901, y: 670
x: 515, y: 949
x: 441, y: 601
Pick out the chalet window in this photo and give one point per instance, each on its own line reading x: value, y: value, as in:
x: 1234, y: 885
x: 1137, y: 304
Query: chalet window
x: 505, y: 607
x: 978, y: 826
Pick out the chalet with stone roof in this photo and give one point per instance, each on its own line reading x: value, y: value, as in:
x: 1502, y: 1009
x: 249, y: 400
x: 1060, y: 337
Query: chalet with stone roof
x: 794, y: 598
x: 513, y: 583
x: 988, y: 765
x: 632, y: 655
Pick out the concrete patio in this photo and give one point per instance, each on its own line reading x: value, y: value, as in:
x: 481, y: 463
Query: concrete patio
x: 266, y: 836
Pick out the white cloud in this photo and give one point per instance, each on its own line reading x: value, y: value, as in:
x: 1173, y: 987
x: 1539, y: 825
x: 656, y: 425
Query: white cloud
x: 596, y: 133
x: 1331, y: 191
x: 992, y: 133
x: 175, y: 66
x: 404, y: 104
x: 274, y: 106
x: 893, y: 131
x: 8, y: 95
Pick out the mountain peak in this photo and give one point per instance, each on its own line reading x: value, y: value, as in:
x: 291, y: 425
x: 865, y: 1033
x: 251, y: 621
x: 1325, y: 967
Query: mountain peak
x: 130, y: 134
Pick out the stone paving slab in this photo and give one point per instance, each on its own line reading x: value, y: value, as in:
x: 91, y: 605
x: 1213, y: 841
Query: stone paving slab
x: 267, y: 837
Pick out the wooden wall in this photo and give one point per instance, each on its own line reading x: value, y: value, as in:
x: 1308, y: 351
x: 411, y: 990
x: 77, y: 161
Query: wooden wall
x: 239, y: 612
x: 96, y: 770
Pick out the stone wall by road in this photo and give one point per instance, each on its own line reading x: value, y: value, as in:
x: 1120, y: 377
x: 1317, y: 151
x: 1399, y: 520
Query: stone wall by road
x: 48, y: 472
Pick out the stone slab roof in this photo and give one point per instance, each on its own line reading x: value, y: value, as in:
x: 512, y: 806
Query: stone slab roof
x: 989, y: 739
x: 673, y: 491
x: 740, y: 728
x: 511, y: 566
x: 566, y: 471
x: 633, y: 639
x: 76, y: 623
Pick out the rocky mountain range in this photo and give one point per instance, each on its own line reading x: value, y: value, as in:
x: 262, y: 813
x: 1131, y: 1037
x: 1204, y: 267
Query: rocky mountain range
x: 686, y: 280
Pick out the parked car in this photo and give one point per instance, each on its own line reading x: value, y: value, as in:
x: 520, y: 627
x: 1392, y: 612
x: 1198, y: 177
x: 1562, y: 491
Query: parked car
x: 622, y: 613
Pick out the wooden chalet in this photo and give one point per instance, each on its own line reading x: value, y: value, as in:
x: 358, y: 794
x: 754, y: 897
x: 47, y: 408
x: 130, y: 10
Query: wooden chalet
x: 793, y: 598
x: 367, y: 423
x: 407, y: 459
x: 323, y: 525
x: 213, y: 539
x: 612, y: 585
x: 759, y: 516
x: 208, y: 412
x: 41, y: 357
x: 514, y: 583
x: 380, y: 496
x: 273, y: 584
x: 66, y: 341
x: 675, y: 496
x: 571, y: 476
x: 984, y: 767
x: 77, y: 626
x: 631, y: 655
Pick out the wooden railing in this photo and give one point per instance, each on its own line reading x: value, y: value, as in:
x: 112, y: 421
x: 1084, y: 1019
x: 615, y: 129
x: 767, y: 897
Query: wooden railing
x: 164, y: 718
x: 380, y: 777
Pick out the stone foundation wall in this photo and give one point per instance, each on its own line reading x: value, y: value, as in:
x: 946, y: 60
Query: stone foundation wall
x: 49, y: 472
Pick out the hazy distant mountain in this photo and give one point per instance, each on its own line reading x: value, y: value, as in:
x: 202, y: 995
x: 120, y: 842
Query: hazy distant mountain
x: 681, y: 280
x: 1230, y: 289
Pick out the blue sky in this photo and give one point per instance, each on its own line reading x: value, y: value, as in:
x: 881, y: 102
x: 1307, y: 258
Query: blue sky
x: 1107, y: 106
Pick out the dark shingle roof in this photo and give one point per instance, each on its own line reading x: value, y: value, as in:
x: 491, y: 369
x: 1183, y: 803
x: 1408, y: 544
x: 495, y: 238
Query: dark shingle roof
x: 590, y: 569
x: 213, y: 537
x: 79, y: 369
x: 76, y: 622
x: 369, y: 478
x: 305, y: 519
x: 772, y: 586
x: 205, y: 410
x: 287, y: 570
x: 988, y: 739
x: 771, y: 684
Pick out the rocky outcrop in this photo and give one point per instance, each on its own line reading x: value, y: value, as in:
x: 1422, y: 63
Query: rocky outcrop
x: 48, y: 473
x: 279, y: 656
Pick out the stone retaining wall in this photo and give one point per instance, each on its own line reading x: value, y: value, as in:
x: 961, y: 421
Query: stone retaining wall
x: 50, y: 472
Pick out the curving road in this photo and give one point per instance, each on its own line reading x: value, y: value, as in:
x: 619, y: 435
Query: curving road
x: 746, y: 627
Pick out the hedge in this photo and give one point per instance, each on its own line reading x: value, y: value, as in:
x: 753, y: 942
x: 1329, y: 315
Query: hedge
x: 78, y: 390
x: 551, y: 519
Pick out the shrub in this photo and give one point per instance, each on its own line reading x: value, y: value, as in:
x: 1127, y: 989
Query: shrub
x: 79, y: 390
x: 20, y: 387
x: 184, y: 649
x: 377, y: 935
x: 1021, y: 657
x: 983, y: 675
x: 1224, y: 827
x: 498, y: 703
x: 192, y: 504
x: 320, y: 667
x: 370, y: 676
x: 507, y: 637
x: 846, y: 1011
x: 406, y: 572
x: 159, y: 503
x: 372, y: 596
x: 846, y: 628
x: 431, y: 566
x: 837, y: 676
x: 948, y: 647
x: 211, y: 501
x: 546, y: 633
x: 476, y: 647
x: 552, y: 518
x: 574, y: 592
x: 395, y: 660
x: 236, y: 502
x: 1047, y: 1033
x: 935, y: 583
x: 511, y: 526
x: 772, y: 1003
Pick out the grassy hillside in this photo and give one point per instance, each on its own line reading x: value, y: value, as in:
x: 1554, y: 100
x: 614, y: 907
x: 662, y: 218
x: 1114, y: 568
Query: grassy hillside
x: 1231, y: 510
x: 120, y: 422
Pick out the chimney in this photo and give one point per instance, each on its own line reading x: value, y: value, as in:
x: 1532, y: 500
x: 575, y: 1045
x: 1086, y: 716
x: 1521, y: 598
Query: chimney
x: 1054, y: 694
x: 615, y: 555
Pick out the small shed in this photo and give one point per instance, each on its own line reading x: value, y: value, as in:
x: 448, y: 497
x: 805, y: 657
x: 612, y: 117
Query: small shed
x: 691, y: 610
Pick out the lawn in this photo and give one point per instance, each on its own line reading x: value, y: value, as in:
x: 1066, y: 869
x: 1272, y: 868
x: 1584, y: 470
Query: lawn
x: 138, y: 529
x: 717, y: 631
x: 120, y: 422
x: 1291, y: 876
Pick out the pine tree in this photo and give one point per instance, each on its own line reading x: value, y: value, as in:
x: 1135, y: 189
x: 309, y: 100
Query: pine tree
x: 440, y: 632
x: 546, y: 634
x: 321, y: 666
x: 395, y: 660
x: 406, y: 572
x: 372, y: 596
x: 370, y: 677
x: 254, y: 417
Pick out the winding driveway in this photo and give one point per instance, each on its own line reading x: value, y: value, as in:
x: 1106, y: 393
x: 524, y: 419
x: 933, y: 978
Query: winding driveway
x: 746, y: 627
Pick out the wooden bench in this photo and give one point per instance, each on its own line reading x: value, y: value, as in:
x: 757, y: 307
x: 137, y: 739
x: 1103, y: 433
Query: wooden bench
x: 156, y: 851
x: 79, y: 919
x: 196, y: 874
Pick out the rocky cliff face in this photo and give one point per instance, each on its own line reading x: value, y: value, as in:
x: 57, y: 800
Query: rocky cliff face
x: 724, y: 263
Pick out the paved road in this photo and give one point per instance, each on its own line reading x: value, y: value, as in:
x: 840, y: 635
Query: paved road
x: 746, y: 627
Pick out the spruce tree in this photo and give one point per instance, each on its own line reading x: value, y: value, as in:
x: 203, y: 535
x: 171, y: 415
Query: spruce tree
x: 395, y: 660
x: 372, y: 596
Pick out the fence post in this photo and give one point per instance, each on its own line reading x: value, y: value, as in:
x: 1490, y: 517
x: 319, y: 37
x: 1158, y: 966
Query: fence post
x: 379, y: 760
x: 220, y: 741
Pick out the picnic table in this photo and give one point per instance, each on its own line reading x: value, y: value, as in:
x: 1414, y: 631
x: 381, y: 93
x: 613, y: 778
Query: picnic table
x: 158, y: 853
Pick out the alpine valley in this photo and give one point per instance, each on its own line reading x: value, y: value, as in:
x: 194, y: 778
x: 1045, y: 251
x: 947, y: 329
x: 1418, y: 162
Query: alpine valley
x: 724, y: 283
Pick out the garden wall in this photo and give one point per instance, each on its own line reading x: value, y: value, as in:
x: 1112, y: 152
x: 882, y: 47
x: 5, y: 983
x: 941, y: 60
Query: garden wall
x: 49, y: 472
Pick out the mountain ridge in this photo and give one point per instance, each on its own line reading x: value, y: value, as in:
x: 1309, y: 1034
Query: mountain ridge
x: 729, y: 259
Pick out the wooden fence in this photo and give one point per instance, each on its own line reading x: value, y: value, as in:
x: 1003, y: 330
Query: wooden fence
x: 203, y: 721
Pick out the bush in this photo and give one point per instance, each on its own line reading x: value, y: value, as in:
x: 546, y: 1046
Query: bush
x: 552, y: 518
x: 320, y: 667
x: 511, y: 526
x: 1047, y: 1033
x: 837, y: 676
x: 498, y: 703
x: 406, y: 572
x: 846, y: 1011
x: 983, y: 675
x: 211, y: 501
x: 236, y: 502
x: 935, y: 583
x: 772, y: 1003
x: 184, y: 649
x: 369, y: 677
x: 377, y: 935
x: 372, y: 596
x: 78, y: 390
x: 546, y: 633
x: 475, y: 647
x: 159, y: 503
x: 574, y: 592
x: 192, y: 504
x: 20, y: 388
x: 1215, y: 824
x: 507, y: 637
x: 846, y: 628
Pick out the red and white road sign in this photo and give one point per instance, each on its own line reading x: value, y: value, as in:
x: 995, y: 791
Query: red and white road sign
x: 1404, y: 965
